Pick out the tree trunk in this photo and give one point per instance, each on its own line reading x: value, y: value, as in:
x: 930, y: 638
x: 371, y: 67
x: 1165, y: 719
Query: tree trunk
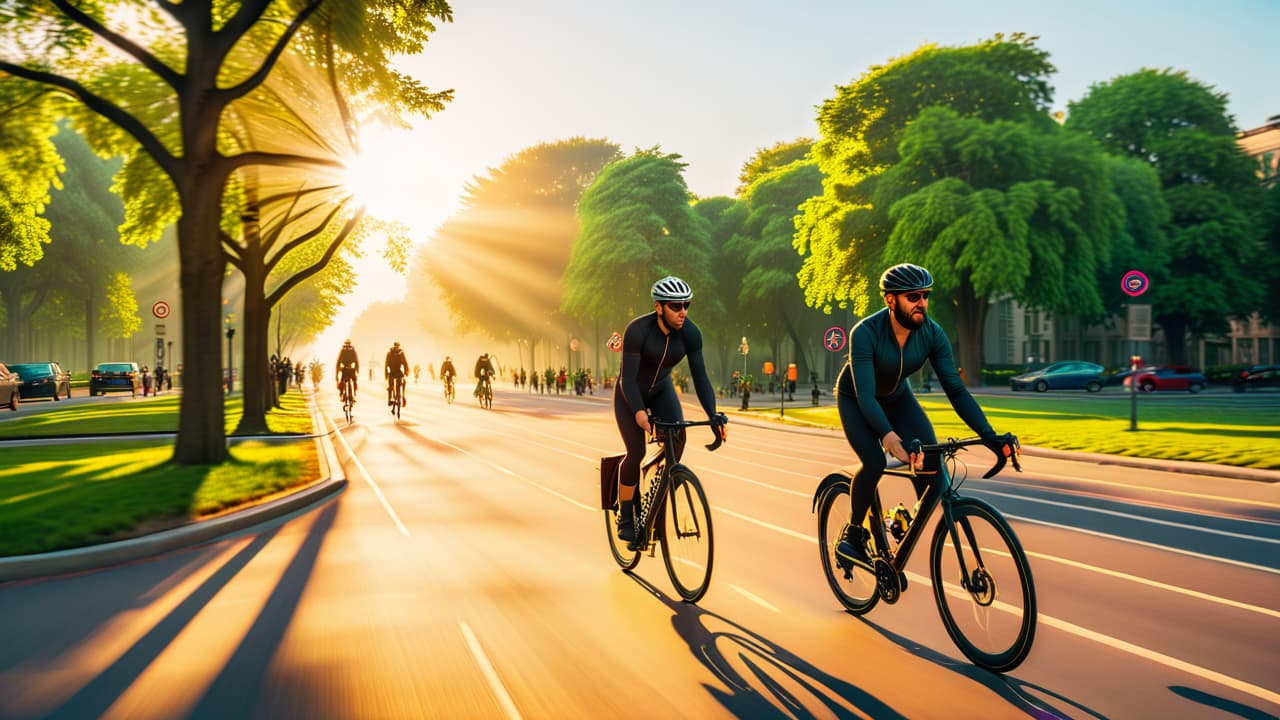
x: 90, y: 326
x: 201, y: 428
x: 971, y: 314
x: 257, y: 320
x: 1175, y: 337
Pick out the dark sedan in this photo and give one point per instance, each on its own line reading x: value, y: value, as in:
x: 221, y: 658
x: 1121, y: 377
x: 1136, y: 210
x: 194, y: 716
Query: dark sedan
x: 8, y: 388
x: 1257, y: 377
x: 114, y: 377
x: 1068, y: 375
x: 43, y: 380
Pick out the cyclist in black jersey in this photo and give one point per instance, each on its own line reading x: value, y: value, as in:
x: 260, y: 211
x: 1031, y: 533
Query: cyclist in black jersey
x: 348, y: 365
x: 878, y: 410
x: 651, y: 346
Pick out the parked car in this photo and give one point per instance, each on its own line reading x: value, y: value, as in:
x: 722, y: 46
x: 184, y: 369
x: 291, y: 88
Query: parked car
x: 1169, y: 377
x: 43, y: 379
x: 1256, y: 377
x: 8, y: 388
x: 1067, y: 375
x: 114, y: 377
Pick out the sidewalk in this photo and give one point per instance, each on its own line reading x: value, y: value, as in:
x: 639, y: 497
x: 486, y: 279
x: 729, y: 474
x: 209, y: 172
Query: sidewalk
x: 330, y: 482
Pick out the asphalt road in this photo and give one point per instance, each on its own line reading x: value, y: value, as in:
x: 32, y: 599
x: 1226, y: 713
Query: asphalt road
x: 464, y: 572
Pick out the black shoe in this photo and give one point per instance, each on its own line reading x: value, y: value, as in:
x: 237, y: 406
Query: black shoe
x: 853, y: 548
x: 627, y: 528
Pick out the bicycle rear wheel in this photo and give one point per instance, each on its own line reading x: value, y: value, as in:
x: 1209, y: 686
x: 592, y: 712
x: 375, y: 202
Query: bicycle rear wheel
x: 688, y: 545
x: 486, y: 397
x: 989, y: 605
x: 626, y: 559
x: 854, y: 587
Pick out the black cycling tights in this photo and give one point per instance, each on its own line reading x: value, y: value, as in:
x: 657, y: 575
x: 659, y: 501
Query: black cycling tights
x: 907, y: 418
x: 664, y: 405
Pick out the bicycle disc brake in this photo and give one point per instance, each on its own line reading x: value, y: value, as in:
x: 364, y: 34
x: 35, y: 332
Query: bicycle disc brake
x: 887, y: 581
x: 981, y: 586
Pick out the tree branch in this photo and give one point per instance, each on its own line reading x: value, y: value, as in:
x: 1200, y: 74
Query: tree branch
x: 250, y: 10
x: 235, y: 162
x: 149, y: 61
x: 318, y: 265
x: 107, y: 109
x: 303, y: 238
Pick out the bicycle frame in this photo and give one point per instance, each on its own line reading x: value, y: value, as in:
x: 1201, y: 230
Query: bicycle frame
x: 665, y: 459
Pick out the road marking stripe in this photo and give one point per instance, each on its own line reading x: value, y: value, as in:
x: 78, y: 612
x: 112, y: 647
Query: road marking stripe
x: 771, y: 526
x: 495, y: 683
x: 538, y: 485
x: 755, y: 598
x: 369, y: 479
x: 1144, y: 543
x: 1130, y: 516
x: 1145, y: 488
x: 765, y: 485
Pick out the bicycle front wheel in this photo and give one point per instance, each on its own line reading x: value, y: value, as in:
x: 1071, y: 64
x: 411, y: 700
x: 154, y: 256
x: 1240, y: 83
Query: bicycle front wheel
x: 626, y: 559
x: 983, y: 586
x: 688, y: 546
x: 854, y: 586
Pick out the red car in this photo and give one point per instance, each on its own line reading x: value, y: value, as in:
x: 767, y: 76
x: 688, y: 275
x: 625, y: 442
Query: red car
x: 1170, y: 377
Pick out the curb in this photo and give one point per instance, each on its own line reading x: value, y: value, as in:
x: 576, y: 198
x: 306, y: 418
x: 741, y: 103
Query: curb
x: 95, y: 557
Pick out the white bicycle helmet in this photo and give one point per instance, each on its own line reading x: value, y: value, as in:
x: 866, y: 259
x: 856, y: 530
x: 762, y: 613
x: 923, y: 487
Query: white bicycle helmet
x: 671, y: 289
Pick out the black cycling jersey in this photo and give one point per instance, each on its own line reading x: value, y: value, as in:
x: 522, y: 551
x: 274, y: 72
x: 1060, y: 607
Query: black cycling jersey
x: 648, y: 354
x: 348, y: 364
x: 446, y: 368
x: 396, y: 365
x: 877, y: 369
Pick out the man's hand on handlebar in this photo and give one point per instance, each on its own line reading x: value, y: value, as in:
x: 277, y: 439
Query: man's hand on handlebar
x: 718, y: 422
x: 912, y: 458
x: 1005, y: 448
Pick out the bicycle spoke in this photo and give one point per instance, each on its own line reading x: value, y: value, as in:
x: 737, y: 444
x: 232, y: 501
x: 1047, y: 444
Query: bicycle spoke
x: 687, y: 541
x: 853, y: 585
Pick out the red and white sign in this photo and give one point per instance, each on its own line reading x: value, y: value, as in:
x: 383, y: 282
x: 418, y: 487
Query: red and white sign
x: 834, y: 339
x: 614, y: 342
x: 160, y: 309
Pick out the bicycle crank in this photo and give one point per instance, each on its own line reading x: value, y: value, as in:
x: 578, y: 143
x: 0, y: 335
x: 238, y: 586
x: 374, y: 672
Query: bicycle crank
x: 887, y: 581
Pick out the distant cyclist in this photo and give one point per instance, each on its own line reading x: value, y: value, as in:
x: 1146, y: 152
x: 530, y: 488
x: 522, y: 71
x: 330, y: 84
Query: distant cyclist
x: 484, y: 371
x: 447, y: 371
x: 348, y: 366
x: 416, y: 369
x: 878, y: 410
x: 651, y: 346
x: 395, y: 370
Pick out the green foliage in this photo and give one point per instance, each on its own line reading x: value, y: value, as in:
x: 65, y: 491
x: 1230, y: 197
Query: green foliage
x: 29, y: 165
x: 765, y: 159
x: 119, y: 314
x: 637, y: 225
x: 499, y: 260
x: 1180, y: 127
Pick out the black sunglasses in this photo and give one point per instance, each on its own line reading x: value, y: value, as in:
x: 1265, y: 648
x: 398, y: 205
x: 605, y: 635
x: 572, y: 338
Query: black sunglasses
x: 914, y: 297
x: 678, y: 306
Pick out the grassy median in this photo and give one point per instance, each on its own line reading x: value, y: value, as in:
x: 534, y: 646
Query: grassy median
x: 1199, y: 428
x: 54, y: 497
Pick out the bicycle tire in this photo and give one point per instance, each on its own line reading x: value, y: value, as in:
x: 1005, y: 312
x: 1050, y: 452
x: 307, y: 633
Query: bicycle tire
x: 856, y: 589
x: 688, y: 542
x: 486, y: 397
x: 991, y: 623
x: 626, y: 558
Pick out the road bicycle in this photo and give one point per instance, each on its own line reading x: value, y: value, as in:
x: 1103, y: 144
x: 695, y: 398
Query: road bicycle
x: 348, y: 392
x: 397, y: 396
x: 486, y: 393
x: 448, y: 389
x: 981, y: 579
x: 671, y: 510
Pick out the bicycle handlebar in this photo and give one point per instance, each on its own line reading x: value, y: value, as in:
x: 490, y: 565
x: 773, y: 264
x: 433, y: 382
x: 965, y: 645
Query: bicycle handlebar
x: 721, y: 419
x: 1008, y: 443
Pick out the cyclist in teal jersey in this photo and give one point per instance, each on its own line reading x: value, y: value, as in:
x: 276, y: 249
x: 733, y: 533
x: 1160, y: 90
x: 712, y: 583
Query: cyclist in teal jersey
x: 878, y: 410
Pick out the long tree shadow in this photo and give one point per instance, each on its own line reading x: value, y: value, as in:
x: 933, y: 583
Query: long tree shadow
x: 1017, y: 692
x: 761, y: 694
x: 1221, y: 703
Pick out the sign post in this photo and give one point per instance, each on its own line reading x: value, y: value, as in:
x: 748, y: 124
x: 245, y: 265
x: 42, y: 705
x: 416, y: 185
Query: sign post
x: 1135, y: 283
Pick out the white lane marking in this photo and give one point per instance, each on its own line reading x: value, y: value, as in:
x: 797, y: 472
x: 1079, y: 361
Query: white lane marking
x: 1144, y: 543
x: 1131, y: 516
x: 369, y: 479
x: 1145, y: 488
x: 1155, y: 584
x: 538, y: 485
x: 771, y: 526
x: 495, y: 683
x: 754, y: 598
x: 1087, y: 634
x: 566, y: 498
x: 787, y: 491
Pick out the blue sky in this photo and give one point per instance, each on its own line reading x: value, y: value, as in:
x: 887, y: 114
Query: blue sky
x: 714, y: 80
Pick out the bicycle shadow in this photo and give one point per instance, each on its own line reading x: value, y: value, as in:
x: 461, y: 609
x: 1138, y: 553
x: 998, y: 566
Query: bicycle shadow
x: 778, y: 682
x: 1019, y: 693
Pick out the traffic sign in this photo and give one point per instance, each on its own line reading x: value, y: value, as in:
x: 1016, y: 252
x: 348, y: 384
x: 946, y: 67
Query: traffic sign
x: 834, y: 338
x: 615, y: 342
x: 1134, y: 283
x: 160, y: 309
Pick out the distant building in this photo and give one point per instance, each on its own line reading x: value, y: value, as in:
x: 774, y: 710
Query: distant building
x: 1015, y: 336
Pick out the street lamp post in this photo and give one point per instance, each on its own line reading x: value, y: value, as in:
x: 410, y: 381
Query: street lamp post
x: 231, y: 371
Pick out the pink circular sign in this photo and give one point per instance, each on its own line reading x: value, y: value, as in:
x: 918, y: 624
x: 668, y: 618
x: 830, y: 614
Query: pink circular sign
x: 1134, y: 283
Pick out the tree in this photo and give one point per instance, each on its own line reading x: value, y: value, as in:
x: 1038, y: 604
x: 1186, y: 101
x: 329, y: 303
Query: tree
x: 219, y: 53
x: 948, y: 158
x: 498, y: 261
x: 764, y: 160
x: 770, y: 299
x: 722, y: 328
x: 1181, y: 128
x: 637, y: 225
x: 29, y: 165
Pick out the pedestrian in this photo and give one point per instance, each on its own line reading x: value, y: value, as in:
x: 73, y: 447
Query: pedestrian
x: 147, y: 381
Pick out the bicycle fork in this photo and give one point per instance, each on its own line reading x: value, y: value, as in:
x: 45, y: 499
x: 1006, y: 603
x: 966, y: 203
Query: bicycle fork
x: 976, y: 583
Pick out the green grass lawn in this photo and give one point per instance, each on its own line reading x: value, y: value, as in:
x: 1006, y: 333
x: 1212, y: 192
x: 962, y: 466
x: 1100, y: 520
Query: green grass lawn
x: 158, y: 414
x: 1194, y: 428
x: 54, y: 497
